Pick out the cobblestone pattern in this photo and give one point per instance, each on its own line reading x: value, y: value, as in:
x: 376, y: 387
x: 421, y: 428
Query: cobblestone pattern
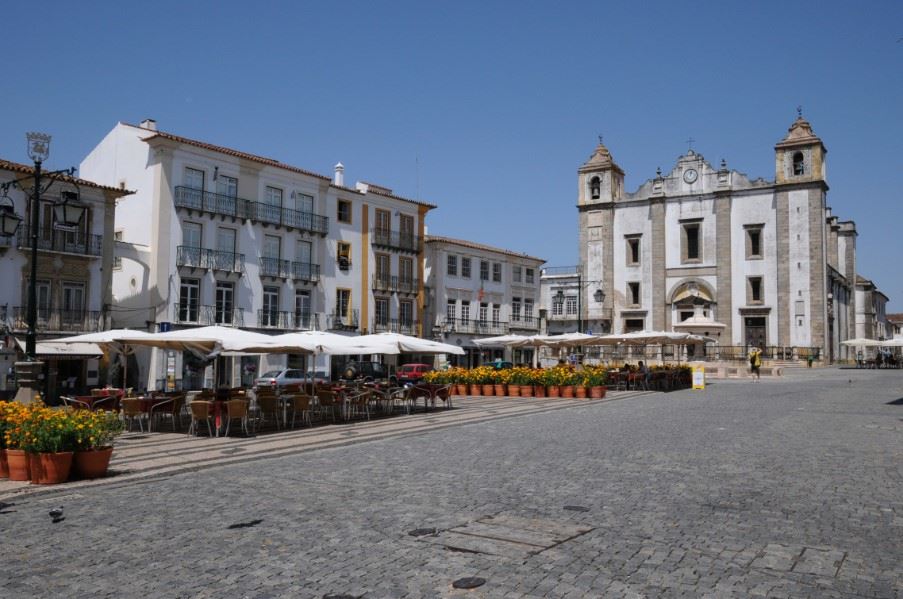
x: 785, y: 488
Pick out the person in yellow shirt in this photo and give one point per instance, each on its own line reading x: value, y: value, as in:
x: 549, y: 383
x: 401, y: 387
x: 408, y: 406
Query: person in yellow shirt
x: 755, y: 361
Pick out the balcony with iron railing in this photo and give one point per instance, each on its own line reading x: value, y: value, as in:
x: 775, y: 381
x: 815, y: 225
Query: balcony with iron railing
x: 343, y: 322
x: 394, y: 325
x: 476, y: 326
x: 51, y: 319
x: 396, y: 240
x: 395, y: 284
x: 235, y: 207
x: 305, y: 271
x: 275, y: 267
x: 193, y: 257
x: 287, y: 320
x: 58, y: 240
x: 191, y: 313
x: 526, y: 323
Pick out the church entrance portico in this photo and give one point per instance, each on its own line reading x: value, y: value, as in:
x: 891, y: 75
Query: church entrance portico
x: 755, y: 331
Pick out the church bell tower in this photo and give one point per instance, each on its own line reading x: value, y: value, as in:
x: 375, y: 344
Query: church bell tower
x: 600, y: 180
x: 800, y: 156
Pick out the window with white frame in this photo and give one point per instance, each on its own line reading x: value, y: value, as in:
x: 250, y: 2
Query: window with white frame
x: 496, y: 314
x: 270, y: 313
x: 484, y: 270
x: 194, y: 178
x: 515, y: 309
x: 381, y: 317
x: 484, y: 313
x: 516, y: 274
x: 451, y: 310
x: 529, y: 273
x: 452, y: 268
x: 465, y: 311
x: 528, y: 309
x: 557, y: 305
x: 570, y: 304
x: 497, y: 272
x: 465, y: 267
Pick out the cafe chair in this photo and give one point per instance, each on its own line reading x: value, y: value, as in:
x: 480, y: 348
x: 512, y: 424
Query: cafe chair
x: 300, y: 403
x: 405, y: 397
x: 327, y: 403
x: 131, y: 411
x: 237, y: 409
x: 359, y: 403
x: 268, y: 405
x: 200, y: 410
x: 171, y: 407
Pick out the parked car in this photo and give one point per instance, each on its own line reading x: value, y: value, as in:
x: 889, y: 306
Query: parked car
x: 412, y: 373
x: 501, y: 365
x: 280, y: 378
x: 368, y: 371
x: 320, y: 377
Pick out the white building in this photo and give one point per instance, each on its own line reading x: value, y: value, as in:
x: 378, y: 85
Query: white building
x: 73, y: 284
x: 219, y: 236
x: 478, y: 291
x: 706, y: 250
x: 871, y: 311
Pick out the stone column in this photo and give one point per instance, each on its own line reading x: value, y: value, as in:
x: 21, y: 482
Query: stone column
x: 723, y: 269
x: 657, y: 309
x: 29, y: 380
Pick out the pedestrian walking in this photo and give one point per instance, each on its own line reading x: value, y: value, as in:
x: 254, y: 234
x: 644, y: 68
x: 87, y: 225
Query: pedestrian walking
x: 755, y: 361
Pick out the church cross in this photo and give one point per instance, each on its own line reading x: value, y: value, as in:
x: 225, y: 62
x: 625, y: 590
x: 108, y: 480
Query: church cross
x: 690, y: 143
x: 799, y: 110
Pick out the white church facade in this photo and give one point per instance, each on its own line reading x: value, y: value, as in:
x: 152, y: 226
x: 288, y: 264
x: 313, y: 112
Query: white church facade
x: 709, y: 251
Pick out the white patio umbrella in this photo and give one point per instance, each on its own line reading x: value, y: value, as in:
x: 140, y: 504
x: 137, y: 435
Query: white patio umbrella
x: 113, y: 340
x: 212, y: 340
x: 499, y: 341
x: 863, y: 342
x: 396, y: 343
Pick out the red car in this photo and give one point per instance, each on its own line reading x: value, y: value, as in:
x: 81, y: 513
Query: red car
x: 412, y: 373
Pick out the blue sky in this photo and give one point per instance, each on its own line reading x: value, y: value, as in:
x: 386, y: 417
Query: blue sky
x: 484, y: 108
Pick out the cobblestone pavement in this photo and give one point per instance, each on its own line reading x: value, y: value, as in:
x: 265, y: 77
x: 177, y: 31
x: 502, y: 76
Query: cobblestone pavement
x: 783, y: 488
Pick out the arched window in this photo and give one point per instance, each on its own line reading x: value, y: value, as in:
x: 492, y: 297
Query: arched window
x: 799, y: 165
x: 594, y: 188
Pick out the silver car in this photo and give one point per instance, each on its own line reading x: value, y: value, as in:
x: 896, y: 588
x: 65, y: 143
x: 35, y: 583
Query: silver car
x: 280, y: 378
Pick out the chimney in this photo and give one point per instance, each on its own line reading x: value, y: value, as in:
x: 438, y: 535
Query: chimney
x: 339, y: 175
x: 148, y: 124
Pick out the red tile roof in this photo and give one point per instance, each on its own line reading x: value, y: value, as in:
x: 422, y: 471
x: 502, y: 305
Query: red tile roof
x: 269, y: 162
x: 29, y: 170
x: 480, y: 246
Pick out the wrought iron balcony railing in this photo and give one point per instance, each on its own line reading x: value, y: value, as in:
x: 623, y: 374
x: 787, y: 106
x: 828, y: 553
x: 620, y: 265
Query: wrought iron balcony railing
x: 306, y: 271
x: 343, y: 322
x: 287, y: 320
x: 396, y: 240
x: 274, y: 267
x: 395, y: 284
x: 192, y: 313
x: 476, y: 327
x: 57, y: 240
x: 394, y: 325
x: 193, y: 257
x: 224, y: 205
x: 50, y: 319
x: 530, y: 323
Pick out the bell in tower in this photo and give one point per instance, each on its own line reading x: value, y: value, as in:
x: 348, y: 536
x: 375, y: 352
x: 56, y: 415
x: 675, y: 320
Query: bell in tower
x: 599, y: 179
x: 800, y: 156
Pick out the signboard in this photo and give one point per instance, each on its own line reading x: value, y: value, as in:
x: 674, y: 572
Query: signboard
x: 699, y: 377
x: 164, y: 327
x: 170, y: 371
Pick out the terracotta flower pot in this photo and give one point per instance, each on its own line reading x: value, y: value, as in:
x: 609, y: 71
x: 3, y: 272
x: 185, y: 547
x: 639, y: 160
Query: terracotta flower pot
x: 514, y: 390
x: 473, y: 389
x: 52, y: 468
x: 579, y: 391
x: 488, y: 390
x: 539, y: 390
x: 597, y: 392
x: 526, y: 390
x: 4, y: 466
x: 92, y: 463
x: 554, y: 391
x: 460, y: 389
x: 567, y: 391
x: 34, y: 467
x: 18, y: 463
x: 501, y: 390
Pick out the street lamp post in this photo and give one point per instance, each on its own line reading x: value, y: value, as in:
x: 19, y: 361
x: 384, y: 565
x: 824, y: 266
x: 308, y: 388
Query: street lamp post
x: 68, y: 213
x: 598, y: 295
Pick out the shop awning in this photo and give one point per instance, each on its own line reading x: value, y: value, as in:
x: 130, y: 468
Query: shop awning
x: 64, y: 351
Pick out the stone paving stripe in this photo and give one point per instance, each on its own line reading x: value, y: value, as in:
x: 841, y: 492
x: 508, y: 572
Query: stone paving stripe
x: 559, y: 529
x: 505, y: 533
x: 461, y: 542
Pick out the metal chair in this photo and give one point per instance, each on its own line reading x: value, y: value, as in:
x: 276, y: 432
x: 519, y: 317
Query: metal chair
x: 237, y: 409
x: 200, y: 410
x: 131, y: 410
x: 300, y: 403
x: 268, y: 404
x: 327, y: 402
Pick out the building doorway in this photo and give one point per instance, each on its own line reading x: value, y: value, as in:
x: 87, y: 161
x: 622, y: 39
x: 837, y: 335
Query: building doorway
x: 754, y: 331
